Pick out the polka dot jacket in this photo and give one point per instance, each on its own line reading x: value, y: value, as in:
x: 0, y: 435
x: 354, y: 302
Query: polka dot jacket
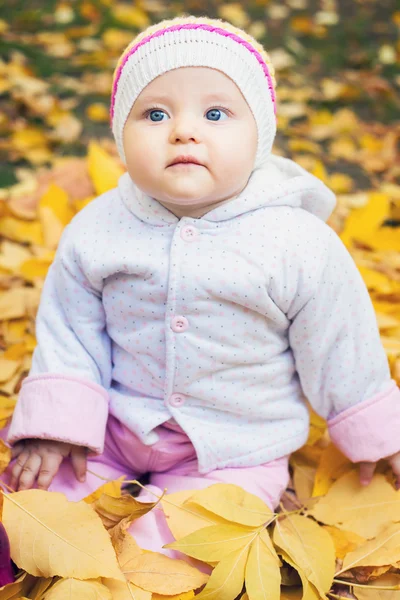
x: 224, y: 324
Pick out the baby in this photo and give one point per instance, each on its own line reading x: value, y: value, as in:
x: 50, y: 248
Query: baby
x: 190, y: 310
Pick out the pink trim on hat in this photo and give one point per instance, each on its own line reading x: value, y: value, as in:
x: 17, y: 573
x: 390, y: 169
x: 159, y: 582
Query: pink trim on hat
x: 192, y: 26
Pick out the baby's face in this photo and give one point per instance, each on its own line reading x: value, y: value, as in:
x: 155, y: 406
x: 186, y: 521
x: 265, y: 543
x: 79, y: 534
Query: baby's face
x: 194, y: 111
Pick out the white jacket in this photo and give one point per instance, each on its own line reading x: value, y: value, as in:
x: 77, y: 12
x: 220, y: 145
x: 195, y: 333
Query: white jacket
x: 221, y: 322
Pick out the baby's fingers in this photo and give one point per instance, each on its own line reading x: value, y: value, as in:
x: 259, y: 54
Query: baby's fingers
x: 50, y: 465
x: 29, y: 471
x: 367, y: 470
x: 79, y: 462
x: 17, y: 469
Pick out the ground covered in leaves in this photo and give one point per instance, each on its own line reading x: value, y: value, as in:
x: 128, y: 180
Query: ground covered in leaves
x: 338, y: 79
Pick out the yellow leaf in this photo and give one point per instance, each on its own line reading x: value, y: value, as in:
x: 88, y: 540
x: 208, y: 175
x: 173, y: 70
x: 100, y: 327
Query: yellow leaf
x: 158, y: 573
x: 291, y: 593
x: 363, y: 223
x: 382, y: 550
x: 12, y: 304
x: 226, y: 580
x: 183, y: 520
x: 310, y: 547
x: 5, y: 456
x: 54, y: 213
x: 364, y: 510
x: 8, y: 368
x: 7, y: 406
x: 13, y: 255
x: 309, y: 591
x: 66, y: 589
x: 184, y: 596
x: 13, y: 591
x: 103, y: 169
x: 232, y: 503
x: 131, y: 15
x: 387, y: 580
x: 50, y: 536
x: 214, y: 543
x: 124, y: 590
x: 112, y: 509
x: 331, y: 466
x: 97, y: 111
x: 384, y: 238
x: 35, y: 268
x: 263, y: 576
x: 111, y: 488
x: 344, y: 541
x: 22, y: 231
x: 317, y: 427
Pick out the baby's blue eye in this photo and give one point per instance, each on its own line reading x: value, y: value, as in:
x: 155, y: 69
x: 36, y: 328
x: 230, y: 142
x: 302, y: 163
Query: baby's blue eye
x: 215, y: 114
x: 157, y: 113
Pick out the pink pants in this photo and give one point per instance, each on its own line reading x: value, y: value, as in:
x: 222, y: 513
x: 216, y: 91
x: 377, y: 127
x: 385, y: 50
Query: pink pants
x: 172, y: 464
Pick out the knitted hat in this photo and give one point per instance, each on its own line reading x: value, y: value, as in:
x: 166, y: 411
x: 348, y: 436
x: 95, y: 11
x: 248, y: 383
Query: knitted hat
x: 190, y: 41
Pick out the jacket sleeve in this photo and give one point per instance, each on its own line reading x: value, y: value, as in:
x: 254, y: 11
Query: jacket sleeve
x: 340, y: 360
x: 65, y: 397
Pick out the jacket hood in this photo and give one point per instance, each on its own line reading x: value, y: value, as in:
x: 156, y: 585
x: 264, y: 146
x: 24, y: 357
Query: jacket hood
x: 278, y: 182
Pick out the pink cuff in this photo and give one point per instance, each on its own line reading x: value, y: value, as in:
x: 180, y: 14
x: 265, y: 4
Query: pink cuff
x: 370, y: 430
x: 63, y: 408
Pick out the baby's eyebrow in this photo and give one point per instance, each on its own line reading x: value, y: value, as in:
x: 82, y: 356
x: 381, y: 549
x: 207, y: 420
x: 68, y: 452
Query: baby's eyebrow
x: 214, y: 97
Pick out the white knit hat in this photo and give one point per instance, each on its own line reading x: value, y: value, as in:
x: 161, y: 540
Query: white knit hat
x: 202, y: 42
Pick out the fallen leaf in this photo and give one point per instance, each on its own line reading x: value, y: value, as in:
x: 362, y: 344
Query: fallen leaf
x: 183, y: 520
x: 344, y: 541
x: 66, y: 589
x: 158, y: 573
x: 112, y: 510
x: 59, y: 537
x: 232, y: 503
x: 227, y: 579
x: 332, y: 465
x: 214, y: 543
x: 111, y: 488
x: 309, y: 547
x: 364, y: 510
x: 124, y: 590
x: 263, y: 576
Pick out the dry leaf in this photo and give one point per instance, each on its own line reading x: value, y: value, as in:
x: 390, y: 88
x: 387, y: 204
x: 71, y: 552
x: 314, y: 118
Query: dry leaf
x: 232, y: 503
x: 103, y: 169
x: 227, y: 579
x: 309, y: 547
x: 383, y: 550
x: 112, y: 510
x: 155, y: 572
x: 331, y: 466
x: 183, y: 520
x: 388, y: 580
x: 344, y: 541
x: 364, y: 510
x: 59, y: 537
x: 67, y: 589
x: 5, y: 457
x: 111, y: 488
x: 124, y: 590
x: 214, y: 543
x: 263, y: 576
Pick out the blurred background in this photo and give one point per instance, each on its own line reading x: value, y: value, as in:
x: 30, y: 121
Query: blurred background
x: 338, y: 83
x: 337, y: 65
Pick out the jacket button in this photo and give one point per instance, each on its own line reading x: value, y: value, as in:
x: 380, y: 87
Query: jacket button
x: 176, y: 400
x: 179, y: 324
x: 189, y: 233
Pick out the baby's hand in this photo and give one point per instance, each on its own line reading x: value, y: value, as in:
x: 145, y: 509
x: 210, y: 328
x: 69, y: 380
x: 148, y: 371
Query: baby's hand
x: 367, y: 469
x: 41, y: 459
